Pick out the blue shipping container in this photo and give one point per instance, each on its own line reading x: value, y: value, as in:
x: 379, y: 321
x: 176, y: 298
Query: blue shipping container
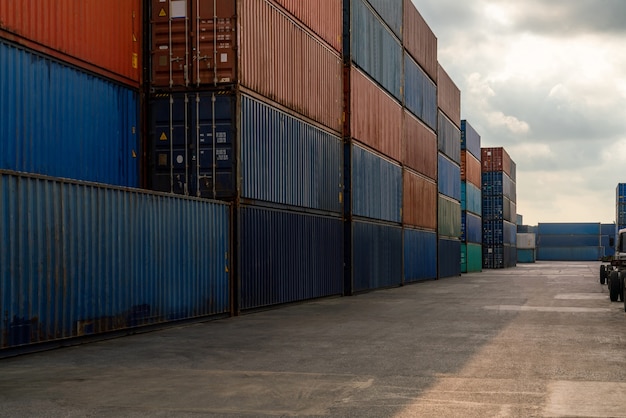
x: 391, y: 13
x: 471, y: 198
x: 526, y: 255
x: 498, y: 183
x: 569, y: 253
x: 620, y: 215
x: 376, y: 256
x: 449, y: 178
x: 449, y: 138
x: 592, y: 228
x: 80, y: 258
x: 59, y: 121
x: 499, y: 256
x: 449, y: 258
x: 420, y: 255
x: 471, y: 228
x: 470, y: 139
x: 288, y: 256
x: 620, y: 193
x: 420, y: 93
x: 375, y: 48
x: 608, y: 229
x: 376, y: 186
x: 499, y: 232
x: 568, y: 240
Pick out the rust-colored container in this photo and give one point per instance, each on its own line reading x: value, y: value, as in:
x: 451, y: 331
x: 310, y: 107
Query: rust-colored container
x: 470, y: 169
x: 419, y: 201
x: 419, y: 40
x: 100, y: 36
x: 376, y: 118
x: 420, y: 147
x: 324, y: 17
x: 448, y: 97
x: 495, y: 159
x: 280, y: 60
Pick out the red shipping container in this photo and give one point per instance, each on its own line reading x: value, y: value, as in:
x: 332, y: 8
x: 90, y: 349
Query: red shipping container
x: 448, y: 97
x: 470, y: 169
x: 100, y: 36
x: 419, y: 40
x: 496, y: 159
x: 420, y: 147
x: 419, y: 201
x: 375, y: 117
x: 324, y: 17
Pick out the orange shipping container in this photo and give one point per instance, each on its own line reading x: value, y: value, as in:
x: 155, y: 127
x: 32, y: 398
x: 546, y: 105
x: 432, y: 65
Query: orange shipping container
x: 324, y: 17
x: 448, y: 97
x: 470, y: 169
x: 419, y: 201
x: 496, y: 159
x: 420, y: 40
x: 99, y: 36
x: 376, y: 118
x: 420, y: 147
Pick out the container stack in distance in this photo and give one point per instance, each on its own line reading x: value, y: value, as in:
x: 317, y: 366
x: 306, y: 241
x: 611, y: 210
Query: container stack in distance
x: 498, y: 208
x: 570, y: 241
x: 620, y: 206
x: 471, y: 201
x: 526, y: 247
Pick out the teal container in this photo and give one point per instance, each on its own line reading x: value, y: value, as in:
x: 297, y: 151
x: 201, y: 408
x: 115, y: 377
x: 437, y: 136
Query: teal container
x: 471, y: 258
x: 526, y: 255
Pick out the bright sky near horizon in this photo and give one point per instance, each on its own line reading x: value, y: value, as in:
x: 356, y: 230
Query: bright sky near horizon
x: 546, y: 80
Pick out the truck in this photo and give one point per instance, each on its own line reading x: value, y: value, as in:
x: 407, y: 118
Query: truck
x: 613, y: 274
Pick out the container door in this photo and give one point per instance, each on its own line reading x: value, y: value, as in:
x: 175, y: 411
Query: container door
x: 170, y: 43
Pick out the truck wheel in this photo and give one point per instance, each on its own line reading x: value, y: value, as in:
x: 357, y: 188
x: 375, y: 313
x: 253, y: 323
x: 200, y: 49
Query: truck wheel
x: 620, y: 295
x: 613, y: 286
x: 602, y: 274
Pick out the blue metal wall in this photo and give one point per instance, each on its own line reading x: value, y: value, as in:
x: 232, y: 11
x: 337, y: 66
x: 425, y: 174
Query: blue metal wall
x: 498, y: 183
x: 391, y: 12
x: 420, y: 255
x: 449, y: 260
x: 471, y: 198
x: 470, y: 140
x: 56, y: 120
x: 568, y: 240
x: 569, y: 253
x: 420, y: 93
x: 499, y: 256
x: 83, y: 259
x: 288, y: 256
x: 377, y: 256
x: 376, y: 186
x: 592, y: 228
x: 471, y: 228
x: 449, y: 139
x: 526, y: 255
x: 449, y: 178
x: 499, y: 232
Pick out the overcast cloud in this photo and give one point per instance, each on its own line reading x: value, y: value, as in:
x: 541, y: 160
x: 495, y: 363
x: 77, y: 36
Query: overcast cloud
x: 547, y: 81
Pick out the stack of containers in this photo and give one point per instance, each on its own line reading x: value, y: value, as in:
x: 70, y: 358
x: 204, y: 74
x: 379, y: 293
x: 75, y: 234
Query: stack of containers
x: 70, y: 82
x: 498, y: 209
x: 419, y: 145
x: 246, y: 106
x: 526, y: 247
x: 449, y: 175
x: 471, y: 201
x: 373, y: 144
x: 620, y: 206
x: 569, y: 241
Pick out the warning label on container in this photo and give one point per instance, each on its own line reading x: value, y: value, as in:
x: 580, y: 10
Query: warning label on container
x: 163, y: 137
x: 162, y: 13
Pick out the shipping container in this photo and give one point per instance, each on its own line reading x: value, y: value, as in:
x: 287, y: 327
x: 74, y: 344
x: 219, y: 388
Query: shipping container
x: 620, y: 193
x: 526, y: 255
x: 449, y: 257
x: 420, y: 255
x: 376, y: 186
x: 84, y: 258
x: 471, y: 258
x: 448, y: 97
x: 470, y: 169
x: 608, y: 229
x: 499, y: 232
x: 420, y: 147
x: 419, y: 201
x: 594, y: 253
x: 419, y: 40
x: 390, y: 12
x: 576, y: 228
x: 101, y: 37
x: 324, y: 17
x: 519, y: 219
x: 497, y: 183
x: 608, y: 243
x: 471, y: 228
x: 526, y: 241
x: 449, y: 217
x: 499, y: 256
x: 496, y: 159
x: 374, y: 48
x: 376, y: 256
x: 498, y: 207
x: 420, y: 93
x: 620, y: 215
x: 470, y: 139
x: 287, y: 256
x: 375, y: 118
x: 449, y: 178
x: 449, y: 138
x: 59, y: 121
x: 471, y: 198
x: 569, y: 240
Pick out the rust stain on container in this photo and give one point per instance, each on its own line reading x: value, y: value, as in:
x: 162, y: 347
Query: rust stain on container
x: 470, y: 169
x: 420, y: 146
x: 448, y: 97
x: 419, y: 201
x: 419, y: 40
x: 324, y: 17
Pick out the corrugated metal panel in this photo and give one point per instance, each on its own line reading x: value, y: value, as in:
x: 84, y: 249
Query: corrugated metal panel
x: 498, y: 207
x: 471, y: 258
x: 578, y: 228
x: 449, y: 217
x: 324, y: 17
x: 449, y: 138
x: 391, y: 13
x: 282, y: 61
x: 58, y: 121
x: 470, y: 139
x: 449, y: 178
x: 620, y: 193
x: 376, y: 186
x: 526, y: 240
x: 471, y: 198
x: 470, y: 169
x: 608, y: 229
x: 499, y: 256
x: 419, y: 39
x: 449, y: 259
x: 375, y: 49
x: 496, y: 159
x: 448, y: 97
x: 608, y: 243
x: 419, y: 201
x: 85, y: 259
x: 471, y: 228
x: 288, y: 256
x: 569, y: 253
x: 568, y: 240
x: 377, y: 256
x: 526, y: 255
x: 497, y: 183
x: 100, y: 36
x: 499, y: 232
x: 376, y: 119
x: 420, y: 147
x: 620, y: 215
x: 420, y: 255
x: 420, y: 93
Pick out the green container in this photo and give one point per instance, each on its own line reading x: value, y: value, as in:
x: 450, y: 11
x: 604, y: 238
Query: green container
x: 471, y: 258
x: 449, y: 217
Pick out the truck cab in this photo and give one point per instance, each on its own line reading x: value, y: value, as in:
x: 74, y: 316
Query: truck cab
x: 614, y: 273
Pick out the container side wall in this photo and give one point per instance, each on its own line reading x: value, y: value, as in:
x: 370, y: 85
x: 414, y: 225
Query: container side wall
x: 582, y: 228
x: 324, y: 17
x: 449, y: 217
x: 470, y: 169
x: 449, y: 178
x: 470, y: 139
x: 391, y: 13
x: 420, y: 40
x: 526, y: 255
x: 568, y: 240
x: 448, y: 97
x: 420, y: 147
x: 449, y: 138
x: 471, y: 228
x: 420, y: 201
x: 569, y: 253
x: 474, y: 257
x: 377, y: 256
x: 420, y: 93
x: 420, y: 255
x: 449, y: 258
x: 471, y: 198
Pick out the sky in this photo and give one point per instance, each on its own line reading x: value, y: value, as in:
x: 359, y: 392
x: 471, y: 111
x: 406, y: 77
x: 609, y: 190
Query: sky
x: 546, y: 80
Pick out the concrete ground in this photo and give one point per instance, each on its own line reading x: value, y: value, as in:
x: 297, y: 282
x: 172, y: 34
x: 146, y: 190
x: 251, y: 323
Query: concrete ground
x: 537, y: 340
